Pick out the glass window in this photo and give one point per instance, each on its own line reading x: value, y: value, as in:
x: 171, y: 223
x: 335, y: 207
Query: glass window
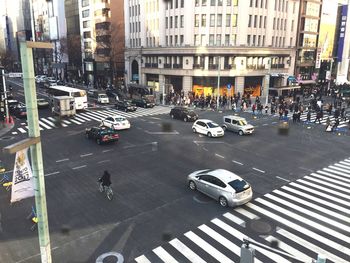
x: 204, y: 2
x: 248, y: 40
x: 211, y: 40
x: 197, y: 2
x: 260, y: 21
x: 212, y: 2
x: 312, y: 9
x: 273, y: 41
x: 234, y: 38
x: 234, y: 20
x: 254, y: 38
x: 182, y: 21
x: 311, y: 25
x: 227, y: 40
x: 219, y: 20
x: 171, y: 22
x: 84, y: 3
x: 204, y: 20
x: 176, y: 40
x: 259, y: 39
x: 196, y: 20
x: 181, y: 39
x: 228, y: 20
x: 176, y: 3
x: 87, y: 34
x: 86, y: 13
x: 166, y: 22
x: 239, y: 185
x: 203, y: 40
x: 235, y: 2
x: 86, y: 24
x: 182, y: 3
x: 274, y: 23
x: 250, y: 21
x: 219, y: 2
x: 255, y: 20
x: 228, y: 2
x: 251, y: 3
x: 264, y: 21
x: 292, y: 27
x: 176, y: 21
x: 212, y: 20
x: 309, y: 40
x: 218, y: 39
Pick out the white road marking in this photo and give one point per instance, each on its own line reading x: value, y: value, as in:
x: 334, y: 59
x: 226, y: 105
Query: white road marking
x: 205, y: 149
x: 142, y: 259
x: 52, y: 173
x: 258, y: 170
x: 104, y: 151
x: 87, y: 154
x: 237, y: 162
x: 104, y: 161
x: 22, y: 130
x: 48, y: 122
x: 78, y: 167
x: 328, y: 184
x: 246, y: 213
x: 235, y: 219
x: 282, y: 179
x: 163, y: 255
x: 163, y: 133
x: 44, y: 125
x: 60, y: 123
x: 62, y: 160
x: 14, y: 133
x: 184, y: 250
x: 220, y: 156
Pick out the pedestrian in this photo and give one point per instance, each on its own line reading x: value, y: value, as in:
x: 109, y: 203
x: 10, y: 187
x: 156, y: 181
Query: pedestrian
x: 318, y: 117
x: 280, y: 113
x: 336, y: 113
x: 336, y: 124
x: 342, y: 114
x: 253, y: 108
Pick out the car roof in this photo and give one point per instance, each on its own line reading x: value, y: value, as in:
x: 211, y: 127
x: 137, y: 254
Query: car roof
x: 234, y: 117
x: 116, y: 116
x: 205, y: 120
x: 222, y: 174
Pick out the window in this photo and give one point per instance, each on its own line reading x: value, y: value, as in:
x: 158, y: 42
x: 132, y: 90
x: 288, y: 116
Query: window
x: 87, y: 34
x: 218, y: 39
x: 266, y: 4
x: 212, y: 20
x: 227, y: 40
x: 171, y: 40
x: 255, y: 20
x: 204, y: 2
x: 228, y: 20
x: 166, y: 40
x: 196, y: 20
x: 261, y: 3
x: 171, y: 22
x: 182, y: 3
x: 176, y: 21
x: 274, y: 23
x: 251, y: 3
x: 292, y: 27
x: 196, y: 40
x: 219, y: 2
x: 176, y: 3
x: 273, y: 41
x: 263, y: 41
x: 87, y: 45
x: 235, y: 2
x: 86, y: 13
x: 182, y: 21
x: 203, y: 40
x: 250, y: 21
x: 166, y: 22
x: 254, y: 38
x: 248, y: 40
x: 212, y: 2
x: 211, y: 40
x: 197, y: 2
x: 275, y: 5
x: 283, y: 42
x: 86, y: 24
x: 219, y: 20
x: 260, y: 21
x: 171, y: 4
x: 228, y: 2
x: 256, y: 3
x: 234, y: 20
x: 278, y: 23
x: 259, y: 39
x: 291, y: 42
x: 294, y: 7
x: 204, y: 20
x: 181, y: 39
x: 176, y: 40
x: 234, y: 38
x: 84, y: 3
x: 285, y: 24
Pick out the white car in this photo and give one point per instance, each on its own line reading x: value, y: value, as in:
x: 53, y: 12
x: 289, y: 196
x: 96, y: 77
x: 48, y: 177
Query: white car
x: 207, y: 127
x: 116, y: 122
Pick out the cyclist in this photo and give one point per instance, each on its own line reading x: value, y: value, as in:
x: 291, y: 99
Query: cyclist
x: 105, y: 179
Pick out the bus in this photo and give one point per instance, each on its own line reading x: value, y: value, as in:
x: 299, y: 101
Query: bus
x: 79, y: 95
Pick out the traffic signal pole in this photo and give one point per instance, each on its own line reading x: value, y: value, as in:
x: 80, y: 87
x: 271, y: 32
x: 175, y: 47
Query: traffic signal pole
x: 5, y: 94
x: 35, y: 149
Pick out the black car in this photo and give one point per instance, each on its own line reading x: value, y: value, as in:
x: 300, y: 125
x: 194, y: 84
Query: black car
x: 125, y: 105
x: 101, y: 134
x: 183, y: 113
x: 19, y: 111
x: 143, y: 103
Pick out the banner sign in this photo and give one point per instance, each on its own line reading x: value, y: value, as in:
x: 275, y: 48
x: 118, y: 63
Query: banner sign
x: 318, y: 58
x: 341, y: 39
x: 22, y: 180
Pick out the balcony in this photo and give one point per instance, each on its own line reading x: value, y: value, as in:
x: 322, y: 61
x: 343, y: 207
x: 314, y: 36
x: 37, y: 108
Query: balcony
x: 227, y: 66
x: 177, y: 66
x: 148, y: 65
x: 167, y: 65
x: 154, y: 65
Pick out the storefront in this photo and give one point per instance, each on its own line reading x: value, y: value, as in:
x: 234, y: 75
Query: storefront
x: 253, y: 85
x: 207, y: 86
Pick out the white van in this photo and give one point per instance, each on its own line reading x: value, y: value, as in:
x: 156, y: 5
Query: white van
x: 102, y: 98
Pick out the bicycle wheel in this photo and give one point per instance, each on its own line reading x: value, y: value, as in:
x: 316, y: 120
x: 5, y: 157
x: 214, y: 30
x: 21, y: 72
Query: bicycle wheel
x: 109, y: 194
x: 100, y: 187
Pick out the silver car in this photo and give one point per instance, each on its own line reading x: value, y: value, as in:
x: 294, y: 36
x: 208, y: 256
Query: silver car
x: 222, y: 185
x: 237, y: 124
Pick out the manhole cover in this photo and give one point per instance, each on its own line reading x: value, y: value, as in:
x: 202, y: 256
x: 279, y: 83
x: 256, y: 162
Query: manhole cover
x: 261, y: 227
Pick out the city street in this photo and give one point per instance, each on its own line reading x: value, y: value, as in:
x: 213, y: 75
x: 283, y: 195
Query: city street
x: 153, y: 205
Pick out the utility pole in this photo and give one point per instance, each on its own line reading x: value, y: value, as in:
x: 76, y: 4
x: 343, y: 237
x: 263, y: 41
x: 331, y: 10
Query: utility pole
x: 217, y: 98
x: 35, y: 149
x: 5, y: 93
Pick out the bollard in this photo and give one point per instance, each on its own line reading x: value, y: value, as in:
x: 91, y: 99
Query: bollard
x: 247, y: 254
x: 321, y: 259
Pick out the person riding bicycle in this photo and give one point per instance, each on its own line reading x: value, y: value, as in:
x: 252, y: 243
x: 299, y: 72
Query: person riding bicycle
x: 105, y: 179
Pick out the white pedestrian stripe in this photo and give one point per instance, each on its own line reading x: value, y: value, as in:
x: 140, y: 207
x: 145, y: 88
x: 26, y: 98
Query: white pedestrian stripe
x: 163, y: 255
x: 22, y: 130
x: 142, y: 259
x: 53, y: 119
x: 314, y: 209
x: 44, y: 125
x: 49, y: 122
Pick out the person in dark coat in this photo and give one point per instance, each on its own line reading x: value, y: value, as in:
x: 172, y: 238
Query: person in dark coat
x: 308, y: 116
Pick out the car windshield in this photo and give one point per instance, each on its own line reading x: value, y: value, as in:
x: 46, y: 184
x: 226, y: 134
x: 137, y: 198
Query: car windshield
x: 103, y: 96
x: 242, y: 122
x: 107, y: 131
x: 212, y: 125
x: 239, y: 185
x: 119, y: 119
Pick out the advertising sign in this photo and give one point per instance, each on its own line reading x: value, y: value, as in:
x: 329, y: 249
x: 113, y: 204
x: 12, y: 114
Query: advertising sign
x: 318, y: 58
x: 341, y: 39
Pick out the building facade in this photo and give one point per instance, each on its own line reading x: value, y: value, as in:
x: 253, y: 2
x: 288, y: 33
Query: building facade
x: 183, y: 46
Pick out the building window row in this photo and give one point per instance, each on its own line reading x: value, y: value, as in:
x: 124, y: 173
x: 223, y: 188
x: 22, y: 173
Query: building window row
x: 216, y: 2
x: 214, y: 40
x: 280, y: 24
x: 169, y: 22
x: 177, y: 40
x: 255, y: 40
x: 135, y: 27
x: 278, y: 41
x: 134, y: 10
x: 258, y: 3
x: 85, y: 3
x: 257, y: 21
x: 282, y: 5
x: 230, y: 20
x: 85, y: 13
x: 175, y: 4
x: 135, y: 42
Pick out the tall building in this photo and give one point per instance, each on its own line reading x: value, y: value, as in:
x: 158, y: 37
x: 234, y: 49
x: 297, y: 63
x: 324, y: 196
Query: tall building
x: 307, y: 40
x: 183, y: 46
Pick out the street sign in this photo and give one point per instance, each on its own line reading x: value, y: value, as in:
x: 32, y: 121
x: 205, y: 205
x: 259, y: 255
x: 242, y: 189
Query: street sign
x: 328, y: 75
x: 229, y: 86
x: 15, y: 75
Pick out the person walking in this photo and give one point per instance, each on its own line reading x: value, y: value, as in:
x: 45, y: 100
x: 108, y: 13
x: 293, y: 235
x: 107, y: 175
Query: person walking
x: 318, y: 117
x: 308, y: 116
x: 342, y: 114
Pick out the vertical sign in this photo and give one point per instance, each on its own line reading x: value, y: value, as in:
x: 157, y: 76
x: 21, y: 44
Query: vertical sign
x: 318, y: 58
x: 344, y: 13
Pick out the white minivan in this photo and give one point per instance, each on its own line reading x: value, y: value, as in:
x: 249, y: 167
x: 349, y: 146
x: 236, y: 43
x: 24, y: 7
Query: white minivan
x: 102, y: 98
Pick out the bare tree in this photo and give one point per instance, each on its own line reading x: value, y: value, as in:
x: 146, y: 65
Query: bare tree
x: 7, y: 59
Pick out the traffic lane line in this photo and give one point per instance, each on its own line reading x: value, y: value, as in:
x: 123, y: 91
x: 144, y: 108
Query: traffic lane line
x: 258, y: 170
x: 104, y: 161
x: 62, y: 160
x: 79, y: 167
x: 237, y: 162
x: 52, y: 173
x: 105, y: 151
x: 281, y: 178
x: 87, y: 154
x: 220, y: 156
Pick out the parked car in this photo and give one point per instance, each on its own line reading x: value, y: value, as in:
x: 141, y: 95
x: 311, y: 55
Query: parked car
x: 237, y: 124
x: 19, y: 112
x: 207, y: 127
x: 183, y: 113
x: 143, y: 103
x: 222, y: 185
x: 116, y: 122
x: 42, y: 103
x: 101, y: 134
x: 40, y: 78
x: 125, y: 105
x: 50, y: 81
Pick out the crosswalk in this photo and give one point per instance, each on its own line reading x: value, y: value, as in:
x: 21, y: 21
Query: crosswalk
x: 49, y: 123
x: 310, y: 217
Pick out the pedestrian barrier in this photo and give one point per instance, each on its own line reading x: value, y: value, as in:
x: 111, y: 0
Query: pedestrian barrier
x: 33, y: 217
x: 6, y: 183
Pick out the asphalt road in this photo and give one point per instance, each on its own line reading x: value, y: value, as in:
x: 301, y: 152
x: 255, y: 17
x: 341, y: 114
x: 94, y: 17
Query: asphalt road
x: 149, y: 165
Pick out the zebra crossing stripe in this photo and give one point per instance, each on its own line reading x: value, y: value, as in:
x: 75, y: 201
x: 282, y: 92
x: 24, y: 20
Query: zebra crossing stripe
x: 327, y: 184
x: 220, y: 239
x: 207, y: 247
x: 22, y: 130
x: 44, y: 125
x: 347, y: 171
x: 53, y: 119
x: 331, y: 175
x: 312, y: 205
x: 343, y: 166
x: 82, y: 117
x: 67, y: 122
x: 246, y: 213
x: 142, y: 259
x: 301, y: 229
x: 308, y: 212
x: 291, y: 250
x: 310, y: 245
x: 163, y: 255
x: 79, y: 119
x: 86, y: 115
x: 235, y: 219
x: 337, y: 180
x: 327, y: 196
x: 75, y: 121
x: 184, y: 250
x: 48, y: 122
x: 304, y: 220
x: 237, y: 234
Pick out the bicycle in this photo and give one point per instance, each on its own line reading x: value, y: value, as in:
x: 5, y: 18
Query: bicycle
x: 107, y: 189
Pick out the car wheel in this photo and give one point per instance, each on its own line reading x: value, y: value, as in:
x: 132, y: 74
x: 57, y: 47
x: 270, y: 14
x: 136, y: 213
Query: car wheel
x: 185, y: 119
x: 209, y: 134
x: 145, y: 106
x: 224, y: 128
x: 172, y: 116
x: 240, y: 133
x: 223, y: 201
x: 194, y: 130
x: 192, y: 185
x: 98, y: 141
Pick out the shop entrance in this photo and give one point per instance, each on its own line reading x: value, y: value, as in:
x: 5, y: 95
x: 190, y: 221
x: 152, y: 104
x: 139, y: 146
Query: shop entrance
x: 252, y: 86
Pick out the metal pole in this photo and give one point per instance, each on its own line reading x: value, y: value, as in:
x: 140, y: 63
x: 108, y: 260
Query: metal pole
x: 5, y: 93
x: 163, y: 91
x: 217, y: 98
x: 35, y: 151
x: 330, y: 77
x: 268, y: 86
